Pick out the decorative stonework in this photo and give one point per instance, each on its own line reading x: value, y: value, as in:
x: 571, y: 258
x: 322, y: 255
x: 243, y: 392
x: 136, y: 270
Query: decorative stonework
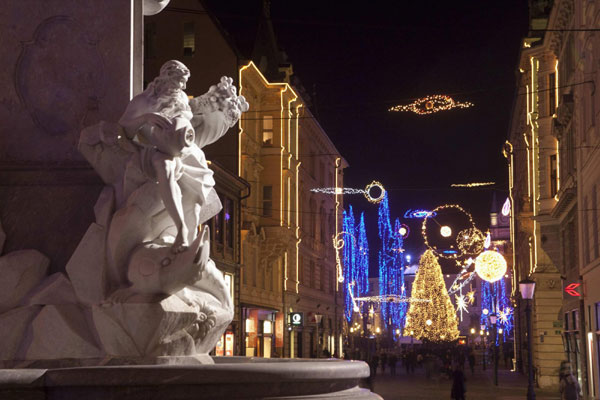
x: 74, y: 81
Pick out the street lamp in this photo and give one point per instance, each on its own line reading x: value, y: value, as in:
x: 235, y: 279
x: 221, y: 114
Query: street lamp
x: 527, y: 288
x: 493, y: 319
x: 484, y: 346
x: 318, y: 318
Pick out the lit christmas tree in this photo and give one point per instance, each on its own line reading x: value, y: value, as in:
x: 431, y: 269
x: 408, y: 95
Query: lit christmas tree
x: 433, y: 320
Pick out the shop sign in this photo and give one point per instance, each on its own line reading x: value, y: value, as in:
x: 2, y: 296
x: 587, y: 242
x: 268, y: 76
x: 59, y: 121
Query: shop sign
x: 571, y: 289
x: 296, y: 319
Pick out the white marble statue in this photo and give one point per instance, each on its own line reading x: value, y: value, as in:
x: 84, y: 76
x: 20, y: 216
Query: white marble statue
x: 141, y: 283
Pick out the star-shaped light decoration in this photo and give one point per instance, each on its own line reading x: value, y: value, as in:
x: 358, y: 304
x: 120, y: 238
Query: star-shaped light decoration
x: 471, y: 297
x: 504, y: 314
x: 461, y: 304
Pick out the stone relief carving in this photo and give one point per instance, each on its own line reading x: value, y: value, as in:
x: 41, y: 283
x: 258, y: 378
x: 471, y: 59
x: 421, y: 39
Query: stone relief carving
x: 74, y: 80
x: 141, y: 283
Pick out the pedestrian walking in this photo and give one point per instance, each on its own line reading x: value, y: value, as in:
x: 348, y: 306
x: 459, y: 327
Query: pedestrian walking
x: 458, y: 384
x: 384, y: 361
x: 392, y: 360
x: 569, y: 387
x: 374, y: 363
x: 471, y: 359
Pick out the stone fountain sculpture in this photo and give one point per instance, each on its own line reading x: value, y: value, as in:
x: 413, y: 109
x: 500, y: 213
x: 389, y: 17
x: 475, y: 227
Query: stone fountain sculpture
x: 140, y: 288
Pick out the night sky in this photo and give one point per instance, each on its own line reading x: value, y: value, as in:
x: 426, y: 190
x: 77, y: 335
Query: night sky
x: 362, y: 58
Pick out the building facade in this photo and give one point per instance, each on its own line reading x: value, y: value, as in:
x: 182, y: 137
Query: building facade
x: 555, y: 172
x: 288, y: 257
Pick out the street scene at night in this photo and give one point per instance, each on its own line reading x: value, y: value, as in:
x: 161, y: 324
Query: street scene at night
x: 264, y: 199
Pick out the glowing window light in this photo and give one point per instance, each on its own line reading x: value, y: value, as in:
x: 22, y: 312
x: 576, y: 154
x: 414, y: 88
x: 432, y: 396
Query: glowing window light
x: 490, y: 266
x: 445, y: 231
x: 431, y: 104
x: 506, y: 208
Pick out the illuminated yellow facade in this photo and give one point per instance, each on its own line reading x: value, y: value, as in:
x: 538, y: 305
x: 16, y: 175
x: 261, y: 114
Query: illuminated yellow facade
x: 543, y: 204
x: 287, y: 256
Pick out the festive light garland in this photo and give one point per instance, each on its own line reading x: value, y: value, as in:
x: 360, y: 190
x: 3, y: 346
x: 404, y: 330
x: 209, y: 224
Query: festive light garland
x: 348, y: 245
x: 431, y: 104
x: 506, y: 207
x: 450, y: 254
x: 495, y: 299
x: 490, y: 266
x: 361, y: 276
x: 435, y: 320
x: 372, y: 185
x: 391, y: 267
x: 418, y: 214
x: 470, y: 241
x: 391, y: 298
x: 366, y: 191
x: 472, y: 184
x: 338, y: 190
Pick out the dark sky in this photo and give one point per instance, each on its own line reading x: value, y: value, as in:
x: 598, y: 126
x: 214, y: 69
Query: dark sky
x: 363, y: 57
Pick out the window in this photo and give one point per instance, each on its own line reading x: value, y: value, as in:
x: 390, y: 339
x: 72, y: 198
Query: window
x: 551, y: 94
x: 228, y: 216
x: 267, y: 139
x: 312, y: 274
x: 189, y: 39
x: 595, y: 221
x: 267, y: 201
x: 218, y: 228
x: 553, y: 176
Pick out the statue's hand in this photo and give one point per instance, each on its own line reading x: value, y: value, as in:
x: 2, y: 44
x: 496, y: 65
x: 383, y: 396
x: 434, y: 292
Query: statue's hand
x: 158, y: 120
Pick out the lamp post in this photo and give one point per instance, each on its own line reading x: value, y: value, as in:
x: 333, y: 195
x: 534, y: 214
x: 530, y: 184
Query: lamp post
x: 484, y: 344
x: 494, y: 320
x: 318, y: 318
x: 527, y: 288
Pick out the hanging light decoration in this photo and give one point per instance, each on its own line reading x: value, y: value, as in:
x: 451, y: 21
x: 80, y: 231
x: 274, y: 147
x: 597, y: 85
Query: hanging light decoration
x: 431, y: 104
x: 370, y: 197
x: 490, y: 266
x: 470, y: 241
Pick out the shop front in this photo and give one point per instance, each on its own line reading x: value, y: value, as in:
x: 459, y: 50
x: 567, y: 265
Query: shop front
x: 263, y: 332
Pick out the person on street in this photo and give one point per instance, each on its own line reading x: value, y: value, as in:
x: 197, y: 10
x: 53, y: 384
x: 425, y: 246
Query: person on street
x: 458, y: 384
x: 392, y: 360
x: 384, y: 361
x: 471, y: 358
x: 569, y: 387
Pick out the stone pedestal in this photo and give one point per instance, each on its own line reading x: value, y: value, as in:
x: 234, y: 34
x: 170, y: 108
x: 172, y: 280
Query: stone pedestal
x: 229, y: 378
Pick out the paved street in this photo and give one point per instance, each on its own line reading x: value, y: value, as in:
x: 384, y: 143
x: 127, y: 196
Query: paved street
x: 511, y: 386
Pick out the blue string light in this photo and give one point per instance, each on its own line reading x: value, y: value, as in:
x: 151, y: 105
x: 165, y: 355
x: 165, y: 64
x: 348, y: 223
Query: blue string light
x: 362, y: 261
x: 495, y: 299
x: 391, y: 271
x: 349, y: 261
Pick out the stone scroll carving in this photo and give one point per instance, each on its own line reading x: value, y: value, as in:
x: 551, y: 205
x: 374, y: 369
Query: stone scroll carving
x: 141, y: 284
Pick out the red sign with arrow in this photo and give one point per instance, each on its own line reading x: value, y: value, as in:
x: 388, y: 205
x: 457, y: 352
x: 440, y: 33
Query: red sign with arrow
x: 572, y: 289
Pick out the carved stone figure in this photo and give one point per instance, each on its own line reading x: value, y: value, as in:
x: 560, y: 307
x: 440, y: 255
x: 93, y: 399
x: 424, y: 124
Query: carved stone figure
x: 141, y: 283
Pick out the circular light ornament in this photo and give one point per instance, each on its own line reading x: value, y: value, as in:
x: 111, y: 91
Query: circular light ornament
x: 448, y: 253
x: 490, y: 266
x: 403, y: 231
x: 429, y: 322
x: 445, y: 231
x: 368, y: 195
x: 486, y: 311
x: 470, y: 241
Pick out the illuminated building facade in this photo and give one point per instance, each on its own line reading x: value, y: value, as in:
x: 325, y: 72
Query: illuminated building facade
x: 288, y: 256
x: 554, y: 173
